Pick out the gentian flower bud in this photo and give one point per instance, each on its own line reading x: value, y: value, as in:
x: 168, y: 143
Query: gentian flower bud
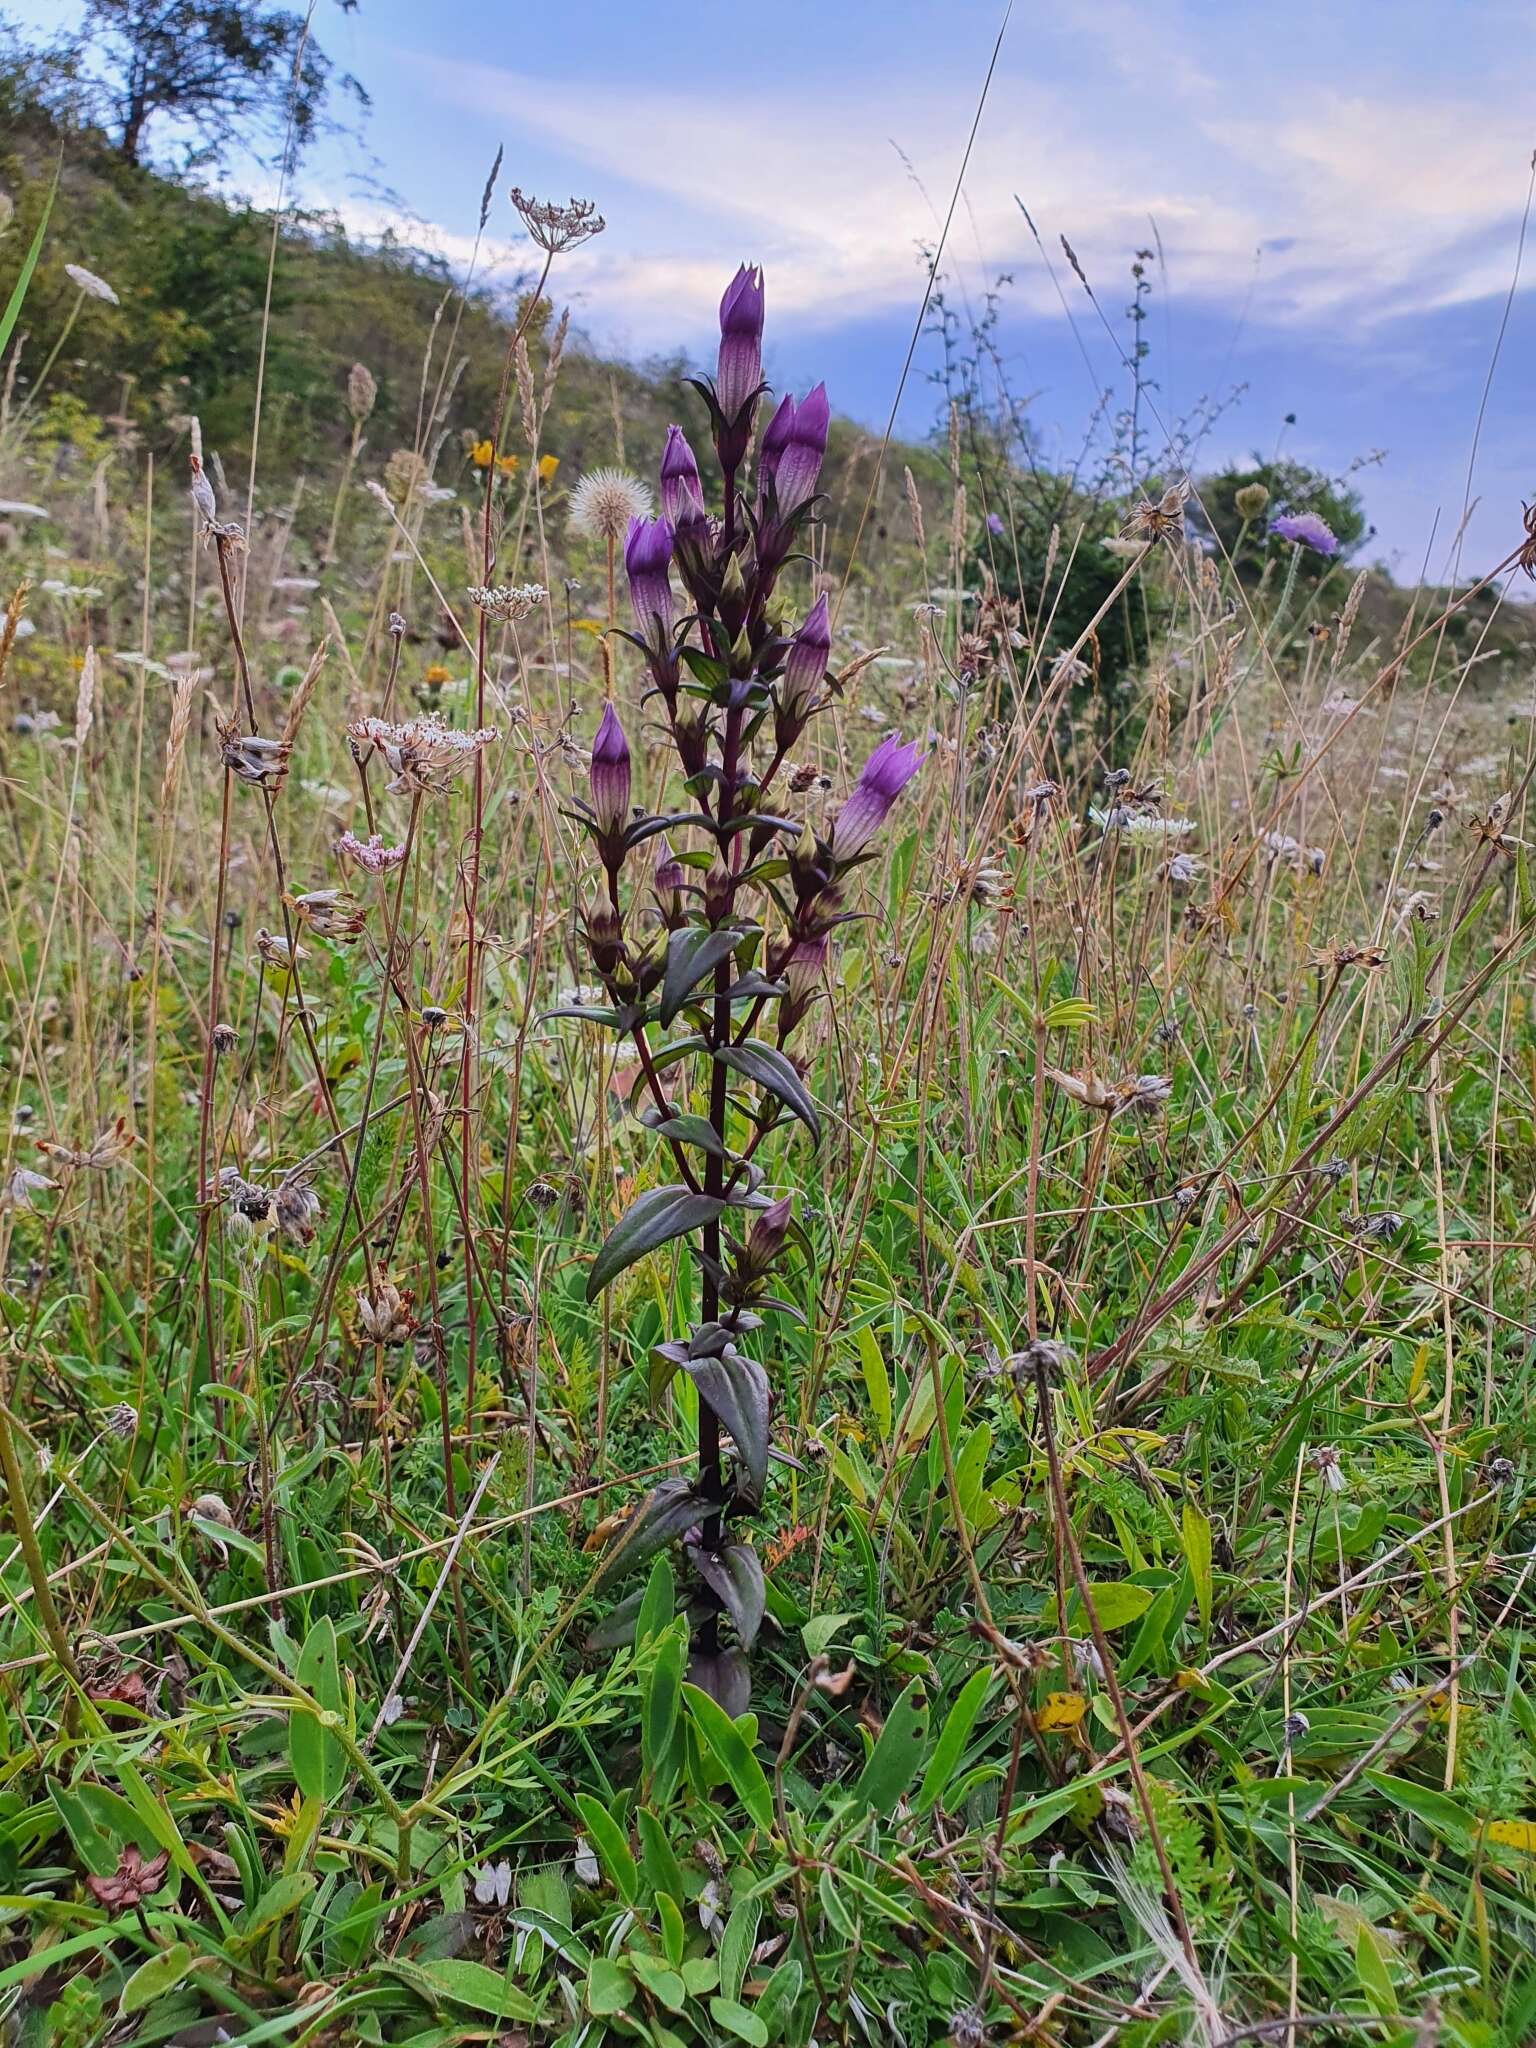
x: 802, y: 971
x: 670, y: 875
x: 799, y: 465
x: 776, y: 438
x: 609, y: 778
x: 605, y: 938
x: 739, y: 370
x: 886, y: 774
x: 766, y: 1239
x: 804, y: 668
x: 647, y: 557
x: 682, y: 494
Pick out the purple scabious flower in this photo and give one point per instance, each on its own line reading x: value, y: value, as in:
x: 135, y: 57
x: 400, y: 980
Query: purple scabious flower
x: 647, y: 558
x: 739, y: 370
x: 804, y: 667
x: 609, y: 775
x: 798, y: 464
x: 682, y: 494
x: 886, y: 774
x: 995, y: 524
x: 1307, y: 530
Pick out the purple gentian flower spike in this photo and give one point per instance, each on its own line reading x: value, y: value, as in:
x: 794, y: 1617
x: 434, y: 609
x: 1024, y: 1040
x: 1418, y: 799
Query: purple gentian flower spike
x: 805, y: 666
x: 739, y: 371
x: 886, y: 774
x: 798, y: 467
x: 776, y: 438
x: 682, y: 495
x: 647, y: 558
x: 609, y: 779
x: 1307, y: 530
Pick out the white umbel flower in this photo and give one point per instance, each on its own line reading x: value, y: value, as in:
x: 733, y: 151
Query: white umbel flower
x: 88, y: 282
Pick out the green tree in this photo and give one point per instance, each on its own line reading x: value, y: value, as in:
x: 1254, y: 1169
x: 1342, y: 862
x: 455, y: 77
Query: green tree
x: 224, y: 72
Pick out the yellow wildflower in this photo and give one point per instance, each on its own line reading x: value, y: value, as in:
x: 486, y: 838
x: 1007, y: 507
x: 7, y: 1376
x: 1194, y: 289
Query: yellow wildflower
x: 548, y: 464
x: 509, y: 465
x: 480, y: 454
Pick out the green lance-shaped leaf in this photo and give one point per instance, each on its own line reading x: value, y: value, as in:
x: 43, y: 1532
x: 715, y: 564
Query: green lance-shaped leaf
x: 736, y: 1387
x: 659, y: 1215
x: 734, y: 1574
x: 666, y: 1511
x: 772, y: 1070
x: 692, y: 954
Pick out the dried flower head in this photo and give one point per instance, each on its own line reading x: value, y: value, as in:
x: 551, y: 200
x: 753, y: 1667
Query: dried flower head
x: 251, y: 757
x: 604, y: 502
x: 297, y: 1209
x: 387, y: 1317
x: 20, y: 1187
x: 424, y: 753
x: 330, y: 913
x: 507, y: 601
x: 362, y: 392
x: 1250, y: 500
x: 135, y: 1877
x: 90, y: 284
x: 107, y: 1149
x: 372, y: 855
x: 558, y: 228
x: 1164, y: 520
x: 276, y: 951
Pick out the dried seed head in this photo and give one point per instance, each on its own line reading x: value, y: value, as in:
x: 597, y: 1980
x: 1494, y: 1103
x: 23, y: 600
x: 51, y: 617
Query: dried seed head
x: 604, y: 502
x: 362, y: 392
x: 557, y: 228
x: 224, y: 1038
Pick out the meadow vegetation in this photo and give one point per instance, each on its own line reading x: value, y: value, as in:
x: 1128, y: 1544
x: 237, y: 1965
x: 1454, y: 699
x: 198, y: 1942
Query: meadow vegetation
x: 766, y: 1229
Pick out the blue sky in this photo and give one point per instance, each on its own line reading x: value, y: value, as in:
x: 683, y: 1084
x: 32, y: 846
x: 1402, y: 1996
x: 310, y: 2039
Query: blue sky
x: 1337, y: 189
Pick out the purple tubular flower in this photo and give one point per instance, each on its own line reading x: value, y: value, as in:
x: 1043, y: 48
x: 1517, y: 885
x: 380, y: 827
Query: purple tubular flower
x: 803, y: 969
x: 886, y: 774
x: 647, y: 558
x: 682, y: 495
x: 804, y: 668
x: 776, y: 438
x: 767, y: 1236
x: 797, y: 468
x: 1307, y: 530
x: 610, y: 773
x: 739, y: 371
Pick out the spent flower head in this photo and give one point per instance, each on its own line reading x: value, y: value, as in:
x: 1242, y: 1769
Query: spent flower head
x: 604, y: 502
x: 558, y: 228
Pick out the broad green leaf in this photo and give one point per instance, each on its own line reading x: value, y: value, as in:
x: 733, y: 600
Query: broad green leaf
x: 664, y: 1514
x: 613, y: 1850
x: 877, y: 1380
x: 474, y: 1984
x: 897, y: 1754
x: 772, y: 1070
x: 610, y: 1988
x: 661, y: 1865
x: 1116, y: 1602
x: 318, y: 1759
x: 953, y: 1737
x: 653, y: 1219
x: 736, y: 1388
x: 691, y: 954
x: 738, y: 2020
x: 152, y: 1979
x: 283, y: 1896
x: 733, y: 1753
x: 660, y: 1979
x: 736, y: 1945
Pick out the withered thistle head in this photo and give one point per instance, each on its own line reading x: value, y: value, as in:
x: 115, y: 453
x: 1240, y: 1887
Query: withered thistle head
x: 251, y: 758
